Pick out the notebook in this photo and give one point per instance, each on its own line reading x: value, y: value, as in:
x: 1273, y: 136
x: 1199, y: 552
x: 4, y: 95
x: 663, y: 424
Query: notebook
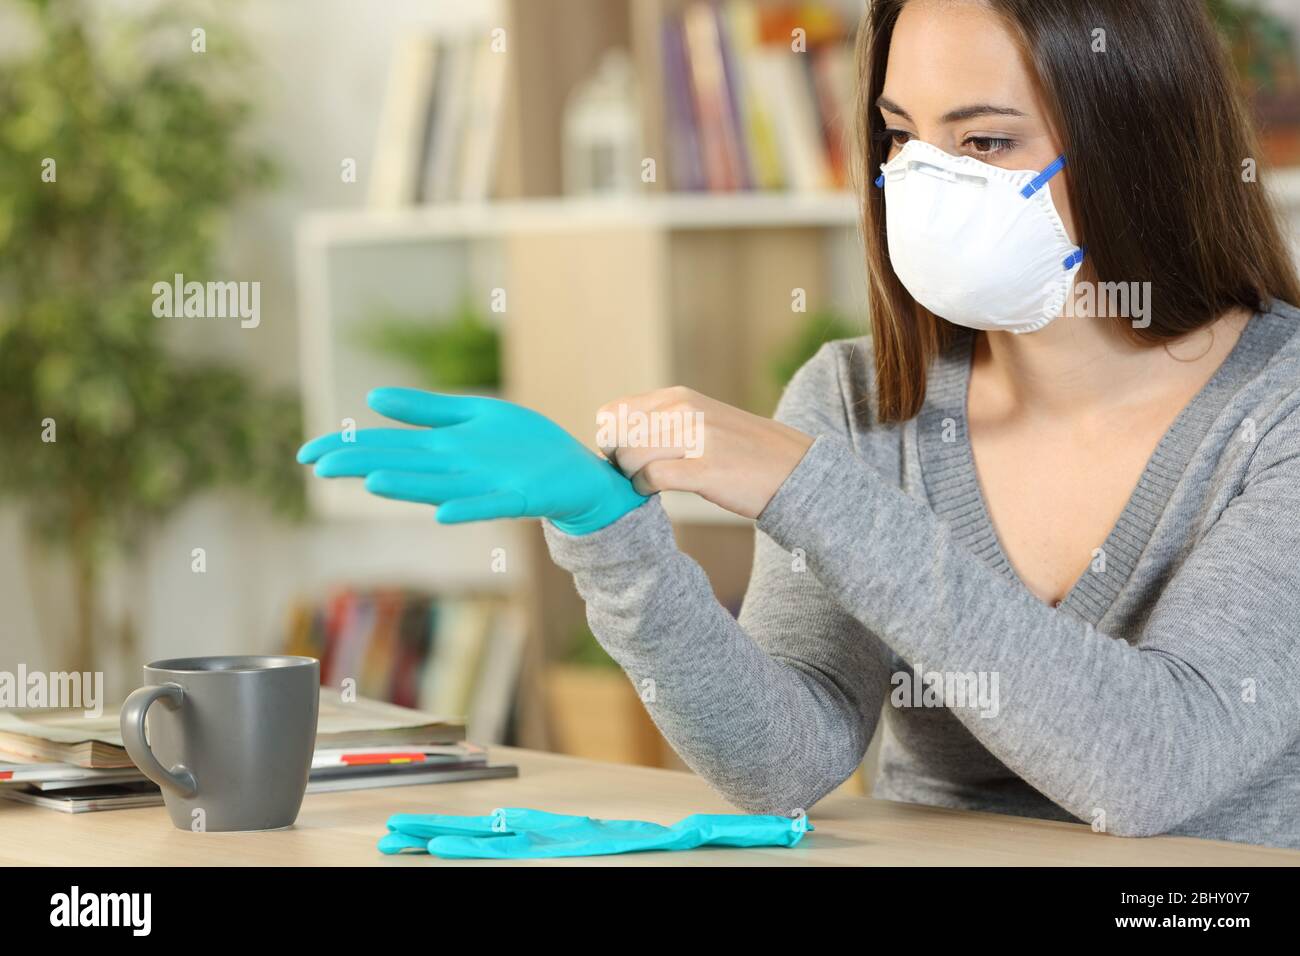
x: 68, y: 736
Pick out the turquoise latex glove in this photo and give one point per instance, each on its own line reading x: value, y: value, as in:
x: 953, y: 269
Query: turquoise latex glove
x: 518, y: 834
x: 476, y: 459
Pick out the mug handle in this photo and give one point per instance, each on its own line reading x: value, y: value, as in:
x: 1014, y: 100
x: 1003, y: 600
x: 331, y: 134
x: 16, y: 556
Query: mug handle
x: 179, y: 778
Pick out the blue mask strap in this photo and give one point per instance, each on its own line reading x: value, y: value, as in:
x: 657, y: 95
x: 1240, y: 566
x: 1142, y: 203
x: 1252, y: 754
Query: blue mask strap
x: 1037, y: 183
x: 1042, y: 179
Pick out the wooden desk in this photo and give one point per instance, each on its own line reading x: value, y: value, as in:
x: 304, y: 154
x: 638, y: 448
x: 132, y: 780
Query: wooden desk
x: 341, y: 828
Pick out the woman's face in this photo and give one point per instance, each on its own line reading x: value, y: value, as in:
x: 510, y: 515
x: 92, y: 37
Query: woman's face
x: 957, y: 79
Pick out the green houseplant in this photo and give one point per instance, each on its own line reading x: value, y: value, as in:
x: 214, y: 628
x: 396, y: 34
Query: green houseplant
x: 119, y: 154
x: 458, y: 351
x: 820, y: 327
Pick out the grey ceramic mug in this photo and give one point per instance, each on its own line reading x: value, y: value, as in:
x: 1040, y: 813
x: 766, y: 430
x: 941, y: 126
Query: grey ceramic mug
x: 231, y: 740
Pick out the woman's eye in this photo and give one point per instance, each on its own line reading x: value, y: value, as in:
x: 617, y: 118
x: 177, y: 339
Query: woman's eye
x: 989, y: 145
x: 896, y: 138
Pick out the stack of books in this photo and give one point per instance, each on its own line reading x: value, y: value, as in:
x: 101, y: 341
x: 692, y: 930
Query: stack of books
x: 758, y: 96
x: 438, y: 654
x: 440, y: 121
x: 65, y: 761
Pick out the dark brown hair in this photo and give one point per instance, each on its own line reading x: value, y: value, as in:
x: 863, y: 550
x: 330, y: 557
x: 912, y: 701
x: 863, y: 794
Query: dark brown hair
x: 1156, y: 131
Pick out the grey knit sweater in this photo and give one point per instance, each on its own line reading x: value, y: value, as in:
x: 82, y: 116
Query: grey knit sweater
x: 1161, y: 696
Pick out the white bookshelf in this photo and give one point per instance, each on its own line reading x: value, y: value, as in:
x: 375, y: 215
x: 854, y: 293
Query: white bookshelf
x: 659, y: 211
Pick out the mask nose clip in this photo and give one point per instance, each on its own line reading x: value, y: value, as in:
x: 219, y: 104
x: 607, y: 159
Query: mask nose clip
x: 917, y: 166
x: 945, y: 175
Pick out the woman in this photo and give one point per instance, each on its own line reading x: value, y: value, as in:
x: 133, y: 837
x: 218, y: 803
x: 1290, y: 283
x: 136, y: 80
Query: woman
x: 1089, y: 521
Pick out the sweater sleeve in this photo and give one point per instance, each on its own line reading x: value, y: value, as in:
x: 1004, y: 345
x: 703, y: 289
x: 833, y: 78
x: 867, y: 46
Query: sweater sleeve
x: 774, y: 710
x: 1150, y: 733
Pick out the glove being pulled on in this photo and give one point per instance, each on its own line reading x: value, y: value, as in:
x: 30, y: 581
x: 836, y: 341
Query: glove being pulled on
x: 476, y: 458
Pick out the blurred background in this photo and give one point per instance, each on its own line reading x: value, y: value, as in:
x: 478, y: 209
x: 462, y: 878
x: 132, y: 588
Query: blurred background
x: 555, y: 201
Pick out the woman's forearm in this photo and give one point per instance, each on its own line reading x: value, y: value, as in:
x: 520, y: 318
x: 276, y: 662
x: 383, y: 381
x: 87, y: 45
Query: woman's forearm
x: 774, y: 728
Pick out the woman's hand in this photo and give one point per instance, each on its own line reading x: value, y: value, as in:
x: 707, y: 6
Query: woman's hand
x: 676, y: 439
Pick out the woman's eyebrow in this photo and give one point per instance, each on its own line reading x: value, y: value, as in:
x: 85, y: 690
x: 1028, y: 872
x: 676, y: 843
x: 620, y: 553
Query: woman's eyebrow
x: 982, y: 109
x: 954, y: 116
x: 889, y: 106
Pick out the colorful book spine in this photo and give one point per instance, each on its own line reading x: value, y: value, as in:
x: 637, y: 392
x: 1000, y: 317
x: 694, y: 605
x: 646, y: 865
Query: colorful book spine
x: 455, y: 654
x: 734, y: 100
x: 757, y: 96
x: 687, y: 169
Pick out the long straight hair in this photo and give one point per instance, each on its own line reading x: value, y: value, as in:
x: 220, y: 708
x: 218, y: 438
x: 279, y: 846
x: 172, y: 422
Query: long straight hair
x: 1156, y: 130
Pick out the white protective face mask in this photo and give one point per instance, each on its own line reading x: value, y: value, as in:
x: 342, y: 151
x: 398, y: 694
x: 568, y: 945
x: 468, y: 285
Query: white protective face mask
x: 977, y: 245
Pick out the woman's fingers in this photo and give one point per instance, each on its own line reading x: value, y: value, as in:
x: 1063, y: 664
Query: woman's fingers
x: 425, y: 488
x: 354, y: 462
x: 497, y: 504
x: 632, y: 459
x: 667, y: 474
x: 368, y: 437
x: 431, y: 409
x: 637, y: 429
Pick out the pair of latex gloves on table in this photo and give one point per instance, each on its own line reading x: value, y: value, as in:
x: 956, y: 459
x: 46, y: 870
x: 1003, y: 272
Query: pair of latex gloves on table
x: 477, y: 458
x: 517, y: 834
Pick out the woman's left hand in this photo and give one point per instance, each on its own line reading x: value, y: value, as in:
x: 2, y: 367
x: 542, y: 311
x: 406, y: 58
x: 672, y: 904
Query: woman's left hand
x: 675, y: 439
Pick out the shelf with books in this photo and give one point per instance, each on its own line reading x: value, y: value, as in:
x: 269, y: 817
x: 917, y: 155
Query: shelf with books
x: 441, y: 117
x: 724, y: 95
x: 449, y: 652
x: 746, y: 95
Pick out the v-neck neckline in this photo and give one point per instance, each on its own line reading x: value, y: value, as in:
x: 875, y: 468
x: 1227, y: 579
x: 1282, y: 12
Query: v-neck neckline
x: 952, y: 483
